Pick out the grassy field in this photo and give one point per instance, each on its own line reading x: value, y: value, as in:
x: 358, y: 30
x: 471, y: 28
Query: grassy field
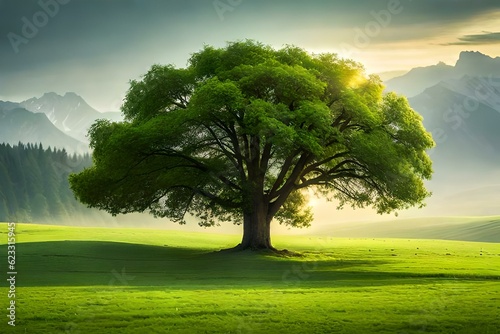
x: 97, y: 280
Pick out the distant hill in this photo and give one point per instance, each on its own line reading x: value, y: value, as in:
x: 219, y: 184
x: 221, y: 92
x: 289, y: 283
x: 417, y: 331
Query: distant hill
x: 34, y: 184
x: 6, y: 105
x: 418, y: 79
x: 460, y: 105
x: 464, y: 118
x: 69, y: 113
x: 477, y: 64
x: 480, y: 229
x: 465, y: 127
x: 481, y: 200
x: 20, y: 125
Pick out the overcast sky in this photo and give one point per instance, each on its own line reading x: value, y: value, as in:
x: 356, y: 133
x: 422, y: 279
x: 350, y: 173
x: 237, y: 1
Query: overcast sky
x: 94, y: 47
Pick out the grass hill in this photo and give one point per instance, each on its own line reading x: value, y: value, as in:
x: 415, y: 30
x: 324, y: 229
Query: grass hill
x: 98, y: 280
x: 480, y: 229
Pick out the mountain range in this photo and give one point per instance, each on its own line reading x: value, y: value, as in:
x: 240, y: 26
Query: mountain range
x: 69, y: 113
x: 20, y: 125
x: 52, y: 120
x: 460, y: 106
x: 464, y: 116
x: 474, y: 64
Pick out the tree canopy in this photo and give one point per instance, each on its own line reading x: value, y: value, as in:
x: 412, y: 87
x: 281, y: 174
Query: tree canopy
x: 243, y: 131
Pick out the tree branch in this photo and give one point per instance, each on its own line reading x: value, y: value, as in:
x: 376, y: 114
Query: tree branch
x: 313, y: 166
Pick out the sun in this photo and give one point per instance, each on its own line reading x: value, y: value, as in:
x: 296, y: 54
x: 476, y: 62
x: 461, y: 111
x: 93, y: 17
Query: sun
x: 312, y: 199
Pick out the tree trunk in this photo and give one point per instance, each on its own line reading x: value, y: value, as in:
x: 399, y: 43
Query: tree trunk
x: 256, y: 217
x: 256, y: 234
x: 256, y: 228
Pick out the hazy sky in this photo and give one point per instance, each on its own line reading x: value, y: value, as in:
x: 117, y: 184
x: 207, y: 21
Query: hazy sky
x: 94, y: 47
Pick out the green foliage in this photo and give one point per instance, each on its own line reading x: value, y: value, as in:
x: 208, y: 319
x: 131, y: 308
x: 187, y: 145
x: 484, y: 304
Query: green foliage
x: 248, y: 123
x: 162, y: 89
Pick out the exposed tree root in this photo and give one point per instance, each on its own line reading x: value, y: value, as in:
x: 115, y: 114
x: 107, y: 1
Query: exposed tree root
x: 261, y: 250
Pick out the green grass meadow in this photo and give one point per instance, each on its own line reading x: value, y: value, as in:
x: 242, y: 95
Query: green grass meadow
x: 109, y: 280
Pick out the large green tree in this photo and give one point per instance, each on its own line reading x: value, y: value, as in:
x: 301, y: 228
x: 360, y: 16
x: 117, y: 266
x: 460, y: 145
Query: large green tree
x: 243, y: 131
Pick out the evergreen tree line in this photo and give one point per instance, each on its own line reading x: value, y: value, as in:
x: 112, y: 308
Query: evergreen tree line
x: 34, y: 183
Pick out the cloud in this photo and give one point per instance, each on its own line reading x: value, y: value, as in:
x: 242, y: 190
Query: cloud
x: 94, y: 47
x: 479, y: 39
